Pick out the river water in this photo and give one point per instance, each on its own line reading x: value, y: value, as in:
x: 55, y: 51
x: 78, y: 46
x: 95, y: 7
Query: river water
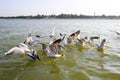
x: 76, y: 64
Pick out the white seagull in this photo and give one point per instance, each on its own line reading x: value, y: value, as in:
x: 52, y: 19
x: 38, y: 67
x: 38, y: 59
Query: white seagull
x: 52, y: 48
x: 20, y: 49
x: 52, y: 53
x: 53, y: 33
x: 29, y: 41
x: 72, y: 37
x: 49, y: 51
x: 77, y: 34
x: 101, y: 44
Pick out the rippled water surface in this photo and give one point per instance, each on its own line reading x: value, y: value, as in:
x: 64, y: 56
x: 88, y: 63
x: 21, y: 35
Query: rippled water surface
x: 76, y: 64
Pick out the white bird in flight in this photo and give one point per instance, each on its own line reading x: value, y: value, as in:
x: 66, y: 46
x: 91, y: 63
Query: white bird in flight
x: 20, y: 49
x: 29, y: 41
x: 52, y: 48
x: 53, y: 33
x: 101, y: 44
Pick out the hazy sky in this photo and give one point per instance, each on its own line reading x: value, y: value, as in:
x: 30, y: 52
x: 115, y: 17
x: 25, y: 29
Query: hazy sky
x: 34, y: 7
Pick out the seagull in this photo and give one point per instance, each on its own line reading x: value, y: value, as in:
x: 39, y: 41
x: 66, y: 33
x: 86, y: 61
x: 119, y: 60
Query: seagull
x: 80, y: 41
x: 49, y: 51
x: 72, y: 37
x: 52, y: 48
x: 69, y: 39
x: 58, y: 41
x: 90, y: 39
x: 20, y: 49
x: 77, y: 33
x: 94, y: 37
x: 52, y: 35
x: 101, y: 44
x: 29, y: 41
x: 33, y: 55
x: 56, y: 44
x: 118, y: 33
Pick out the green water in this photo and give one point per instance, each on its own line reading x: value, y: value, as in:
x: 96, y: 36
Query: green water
x: 77, y: 63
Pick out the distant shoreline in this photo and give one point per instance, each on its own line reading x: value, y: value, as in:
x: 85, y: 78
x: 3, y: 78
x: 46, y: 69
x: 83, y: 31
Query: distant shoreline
x: 64, y: 16
x: 60, y: 19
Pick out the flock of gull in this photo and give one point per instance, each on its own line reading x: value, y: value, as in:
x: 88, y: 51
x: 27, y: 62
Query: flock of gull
x: 54, y: 45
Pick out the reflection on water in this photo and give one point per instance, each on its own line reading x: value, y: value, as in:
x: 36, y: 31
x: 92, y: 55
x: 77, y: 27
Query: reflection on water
x: 78, y: 62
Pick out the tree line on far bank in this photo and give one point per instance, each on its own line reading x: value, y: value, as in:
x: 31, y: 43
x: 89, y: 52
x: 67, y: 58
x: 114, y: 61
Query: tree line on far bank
x: 60, y: 16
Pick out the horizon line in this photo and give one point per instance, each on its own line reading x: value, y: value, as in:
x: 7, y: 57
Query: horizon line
x: 60, y: 14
